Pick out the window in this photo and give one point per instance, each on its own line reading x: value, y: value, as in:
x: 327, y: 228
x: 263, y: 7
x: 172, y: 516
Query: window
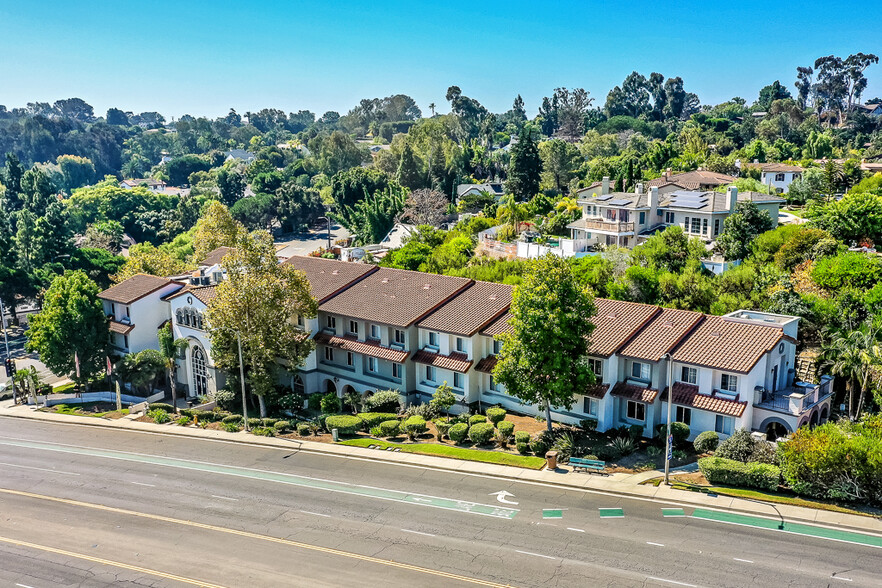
x: 332, y: 322
x: 590, y: 406
x: 353, y: 327
x: 127, y: 312
x: 457, y: 380
x: 200, y: 373
x: 298, y: 386
x: 779, y: 177
x: 596, y: 366
x: 686, y: 224
x: 375, y: 331
x: 696, y: 226
x: 329, y: 354
x: 642, y: 218
x: 396, y: 370
x: 433, y: 339
x: 430, y: 373
x: 704, y: 227
x: 126, y: 341
x: 180, y: 316
x: 636, y: 411
x: 641, y: 371
x: 493, y: 385
x: 684, y: 415
x: 399, y: 336
x: 669, y: 218
x: 497, y: 346
x: 113, y: 309
x: 372, y: 365
x: 689, y: 375
x: 729, y: 383
x: 349, y: 358
x: 460, y: 345
x: 724, y: 425
x: 716, y: 227
x: 299, y: 320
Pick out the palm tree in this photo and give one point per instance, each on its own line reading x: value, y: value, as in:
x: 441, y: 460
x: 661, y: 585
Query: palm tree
x: 432, y: 108
x: 853, y: 356
x: 28, y: 379
x: 170, y: 347
x: 511, y: 212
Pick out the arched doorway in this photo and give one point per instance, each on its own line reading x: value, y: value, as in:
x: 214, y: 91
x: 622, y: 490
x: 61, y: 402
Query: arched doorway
x: 775, y: 431
x: 824, y: 414
x: 814, y: 420
x: 199, y: 371
x: 330, y: 386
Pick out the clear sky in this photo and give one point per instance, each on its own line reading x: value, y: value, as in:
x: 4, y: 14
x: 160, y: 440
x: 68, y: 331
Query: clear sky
x: 201, y: 58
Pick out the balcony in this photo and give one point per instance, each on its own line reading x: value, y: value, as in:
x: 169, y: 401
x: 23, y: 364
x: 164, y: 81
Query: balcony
x: 602, y: 225
x: 797, y: 399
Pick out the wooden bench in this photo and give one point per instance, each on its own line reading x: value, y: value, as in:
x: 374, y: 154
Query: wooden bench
x: 588, y: 465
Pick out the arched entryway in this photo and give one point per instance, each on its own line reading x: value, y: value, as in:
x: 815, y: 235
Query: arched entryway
x: 330, y: 386
x: 347, y: 389
x: 824, y: 414
x: 298, y: 385
x: 199, y: 370
x: 775, y: 431
x: 814, y: 420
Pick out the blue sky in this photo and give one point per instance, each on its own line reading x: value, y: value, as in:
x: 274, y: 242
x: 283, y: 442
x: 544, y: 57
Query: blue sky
x: 202, y: 58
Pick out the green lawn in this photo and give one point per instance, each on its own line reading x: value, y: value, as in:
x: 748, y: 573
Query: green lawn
x: 86, y: 409
x: 497, y: 457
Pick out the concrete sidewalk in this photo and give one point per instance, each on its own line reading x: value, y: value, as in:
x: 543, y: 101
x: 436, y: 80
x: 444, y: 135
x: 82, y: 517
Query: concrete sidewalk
x: 563, y: 476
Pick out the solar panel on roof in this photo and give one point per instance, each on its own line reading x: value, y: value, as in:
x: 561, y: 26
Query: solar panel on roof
x: 604, y: 198
x: 619, y: 202
x: 691, y: 204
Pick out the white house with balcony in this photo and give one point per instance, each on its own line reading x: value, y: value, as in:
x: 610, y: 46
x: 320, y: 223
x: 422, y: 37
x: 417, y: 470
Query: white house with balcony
x: 135, y: 311
x: 778, y: 176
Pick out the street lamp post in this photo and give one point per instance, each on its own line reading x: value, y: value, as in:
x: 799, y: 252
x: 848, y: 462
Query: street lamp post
x: 329, y: 229
x: 3, y: 324
x: 241, y: 374
x: 669, y: 442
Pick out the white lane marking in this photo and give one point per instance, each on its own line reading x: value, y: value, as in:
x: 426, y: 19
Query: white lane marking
x: 24, y: 586
x: 502, y: 496
x: 14, y: 465
x: 418, y: 532
x: 224, y: 497
x: 671, y: 582
x: 744, y: 560
x: 318, y: 514
x: 656, y: 544
x: 143, y: 484
x: 536, y: 554
x: 841, y: 578
x: 576, y: 530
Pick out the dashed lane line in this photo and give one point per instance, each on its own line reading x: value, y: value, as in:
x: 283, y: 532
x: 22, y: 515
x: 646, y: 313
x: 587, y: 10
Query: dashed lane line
x: 317, y: 514
x: 24, y: 467
x: 576, y: 530
x: 418, y: 532
x: 743, y: 560
x: 656, y: 544
x: 671, y: 581
x: 143, y: 484
x: 225, y: 498
x: 535, y: 554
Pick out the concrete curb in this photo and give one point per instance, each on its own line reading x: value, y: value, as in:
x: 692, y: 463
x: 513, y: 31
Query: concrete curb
x: 587, y: 482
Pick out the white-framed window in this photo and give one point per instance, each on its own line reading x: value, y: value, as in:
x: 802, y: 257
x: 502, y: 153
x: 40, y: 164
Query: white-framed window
x: 396, y: 370
x: 684, y: 415
x: 590, y: 406
x: 636, y: 411
x: 779, y: 177
x: 596, y: 366
x: 349, y: 358
x: 493, y: 385
x: 399, y: 336
x: 460, y: 345
x: 353, y: 327
x: 689, y: 375
x: 372, y: 365
x: 433, y: 339
x: 375, y: 331
x: 641, y: 371
x: 430, y: 373
x: 704, y: 227
x: 457, y: 380
x: 329, y: 354
x: 724, y: 425
x: 729, y: 383
x: 716, y: 227
x: 497, y: 346
x: 696, y: 226
x: 331, y: 322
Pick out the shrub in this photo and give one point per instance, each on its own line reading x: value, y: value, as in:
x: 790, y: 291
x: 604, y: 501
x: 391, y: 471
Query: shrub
x: 233, y: 418
x: 383, y: 401
x: 268, y: 422
x: 183, y: 421
x: 653, y: 451
x: 458, y: 432
x: 565, y: 445
x: 207, y: 416
x: 495, y: 414
x: 505, y: 427
x: 263, y: 432
x: 679, y: 454
x: 481, y: 433
x: 225, y: 398
x: 539, y: 446
x: 304, y: 429
x: 739, y: 446
x: 706, y: 442
x: 588, y: 425
x: 231, y: 427
x: 375, y: 432
x: 373, y: 419
x: 522, y: 437
x: 390, y: 428
x: 523, y: 448
x: 442, y: 427
x: 719, y: 470
x: 477, y: 418
x: 346, y: 424
x: 159, y: 416
x: 607, y: 452
x: 161, y: 406
x: 415, y: 426
x: 624, y: 445
x: 635, y: 432
x: 426, y: 411
x: 254, y: 423
x: 330, y: 403
x: 314, y: 402
x: 282, y: 427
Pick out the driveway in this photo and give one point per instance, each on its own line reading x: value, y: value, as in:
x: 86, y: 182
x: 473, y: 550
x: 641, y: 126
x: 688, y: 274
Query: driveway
x: 306, y: 243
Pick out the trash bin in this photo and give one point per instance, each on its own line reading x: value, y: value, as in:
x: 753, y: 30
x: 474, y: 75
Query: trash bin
x: 335, y: 435
x: 551, y: 460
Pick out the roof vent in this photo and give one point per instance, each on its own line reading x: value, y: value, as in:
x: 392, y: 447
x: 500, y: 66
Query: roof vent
x: 335, y: 272
x: 493, y: 297
x: 715, y: 334
x: 427, y: 287
x: 385, y: 280
x: 669, y: 324
x: 612, y: 315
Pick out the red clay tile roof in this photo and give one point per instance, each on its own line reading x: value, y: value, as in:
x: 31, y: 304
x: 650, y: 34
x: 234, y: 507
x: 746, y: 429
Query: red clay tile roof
x: 634, y: 392
x: 477, y: 306
x: 687, y: 395
x: 597, y: 391
x: 134, y: 288
x: 372, y: 348
x: 487, y: 364
x: 216, y: 256
x: 499, y: 326
x: 697, y: 177
x: 662, y: 334
x: 327, y: 277
x: 121, y: 328
x: 458, y: 362
x: 728, y: 344
x: 615, y: 323
x: 395, y: 297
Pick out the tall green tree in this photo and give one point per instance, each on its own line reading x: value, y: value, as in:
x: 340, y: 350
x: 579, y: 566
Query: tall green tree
x: 371, y: 218
x: 543, y: 358
x: 72, y: 321
x: 855, y: 356
x: 525, y: 169
x: 410, y: 169
x: 741, y: 228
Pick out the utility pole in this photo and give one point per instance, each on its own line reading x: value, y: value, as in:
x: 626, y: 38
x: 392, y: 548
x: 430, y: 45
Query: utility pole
x: 3, y: 322
x: 329, y: 229
x: 242, y: 380
x: 669, y: 443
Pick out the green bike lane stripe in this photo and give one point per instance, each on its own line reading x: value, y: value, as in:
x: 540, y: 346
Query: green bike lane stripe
x: 795, y: 528
x: 278, y: 477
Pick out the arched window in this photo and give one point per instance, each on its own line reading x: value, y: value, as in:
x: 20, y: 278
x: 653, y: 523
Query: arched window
x: 198, y: 318
x: 299, y: 388
x: 200, y: 374
x: 180, y: 316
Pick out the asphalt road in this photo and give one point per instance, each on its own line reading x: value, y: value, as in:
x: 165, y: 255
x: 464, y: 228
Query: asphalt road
x: 82, y: 506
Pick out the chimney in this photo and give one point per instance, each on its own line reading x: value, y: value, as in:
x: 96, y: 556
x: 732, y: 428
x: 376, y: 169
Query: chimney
x: 653, y: 198
x: 732, y: 195
x: 667, y: 173
x: 638, y: 189
x: 604, y: 187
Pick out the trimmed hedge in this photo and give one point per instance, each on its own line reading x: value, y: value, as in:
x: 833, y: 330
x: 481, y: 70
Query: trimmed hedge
x: 304, y: 429
x: 390, y: 428
x: 539, y: 446
x: 374, y: 419
x: 415, y: 425
x: 505, y: 427
x: 496, y: 414
x: 268, y: 422
x: 443, y: 427
x: 263, y: 432
x: 523, y: 448
x: 233, y: 418
x: 522, y: 437
x: 719, y: 470
x: 345, y: 424
x: 458, y: 432
x: 706, y: 442
x: 161, y: 406
x: 477, y: 418
x: 481, y: 433
x: 282, y: 427
x: 679, y: 430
